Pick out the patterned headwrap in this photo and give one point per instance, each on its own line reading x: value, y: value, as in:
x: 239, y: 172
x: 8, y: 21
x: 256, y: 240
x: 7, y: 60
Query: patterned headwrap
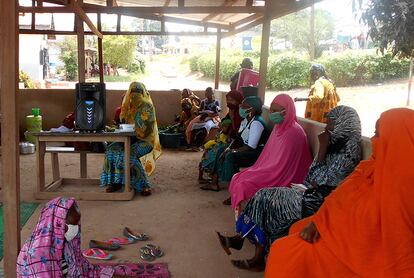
x: 318, y: 68
x: 138, y: 109
x: 256, y: 103
x: 344, y: 150
x: 42, y: 254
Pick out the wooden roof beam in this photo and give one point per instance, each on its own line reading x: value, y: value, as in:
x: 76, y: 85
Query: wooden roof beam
x: 245, y: 20
x: 81, y: 13
x: 151, y: 10
x: 243, y: 28
x: 226, y: 3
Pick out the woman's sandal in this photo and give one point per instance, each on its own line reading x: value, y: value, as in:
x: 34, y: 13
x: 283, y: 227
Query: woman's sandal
x: 120, y: 240
x: 146, y: 254
x: 96, y: 254
x: 210, y: 187
x: 137, y: 237
x: 146, y: 192
x: 155, y: 250
x: 225, y: 243
x: 111, y: 246
x: 244, y: 264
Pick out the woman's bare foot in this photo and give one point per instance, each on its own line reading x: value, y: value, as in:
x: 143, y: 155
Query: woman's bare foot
x: 113, y: 187
x: 146, y: 192
x: 234, y: 242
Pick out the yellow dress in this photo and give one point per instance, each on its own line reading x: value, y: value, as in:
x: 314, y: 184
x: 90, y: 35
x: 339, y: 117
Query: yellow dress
x: 322, y: 98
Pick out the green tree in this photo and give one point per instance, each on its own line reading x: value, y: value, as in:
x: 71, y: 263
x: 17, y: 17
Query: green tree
x: 69, y: 56
x: 391, y: 25
x: 119, y: 51
x: 296, y: 29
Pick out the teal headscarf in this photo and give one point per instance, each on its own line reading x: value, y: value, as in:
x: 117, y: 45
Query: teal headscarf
x: 255, y: 103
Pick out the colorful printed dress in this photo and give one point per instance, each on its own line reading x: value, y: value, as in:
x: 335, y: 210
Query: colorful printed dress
x: 322, y: 98
x: 137, y: 108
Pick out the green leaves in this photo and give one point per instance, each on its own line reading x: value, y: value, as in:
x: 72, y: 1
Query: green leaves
x: 391, y: 25
x: 119, y: 50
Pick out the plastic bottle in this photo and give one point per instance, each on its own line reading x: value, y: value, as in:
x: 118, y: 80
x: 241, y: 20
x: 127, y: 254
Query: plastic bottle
x: 33, y: 124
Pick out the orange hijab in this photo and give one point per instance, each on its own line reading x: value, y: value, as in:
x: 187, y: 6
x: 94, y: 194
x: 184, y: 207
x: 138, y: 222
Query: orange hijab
x: 366, y: 226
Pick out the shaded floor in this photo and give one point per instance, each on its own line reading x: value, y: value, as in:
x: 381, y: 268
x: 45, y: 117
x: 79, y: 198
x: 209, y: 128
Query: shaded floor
x: 179, y: 217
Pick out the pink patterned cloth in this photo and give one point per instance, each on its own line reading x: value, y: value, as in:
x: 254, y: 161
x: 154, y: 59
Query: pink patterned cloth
x: 42, y: 254
x: 284, y: 160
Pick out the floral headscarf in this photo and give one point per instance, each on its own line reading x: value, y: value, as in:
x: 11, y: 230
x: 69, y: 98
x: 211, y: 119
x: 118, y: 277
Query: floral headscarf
x: 138, y: 109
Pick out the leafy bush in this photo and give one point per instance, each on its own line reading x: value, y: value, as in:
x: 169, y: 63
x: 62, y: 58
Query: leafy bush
x: 25, y: 78
x: 138, y: 66
x: 70, y: 61
x: 291, y: 71
x: 287, y: 72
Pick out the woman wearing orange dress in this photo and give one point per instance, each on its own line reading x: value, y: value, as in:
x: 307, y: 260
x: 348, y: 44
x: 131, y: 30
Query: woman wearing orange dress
x: 365, y: 228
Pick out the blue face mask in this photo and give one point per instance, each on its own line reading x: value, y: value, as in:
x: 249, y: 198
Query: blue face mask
x: 276, y: 117
x: 244, y: 113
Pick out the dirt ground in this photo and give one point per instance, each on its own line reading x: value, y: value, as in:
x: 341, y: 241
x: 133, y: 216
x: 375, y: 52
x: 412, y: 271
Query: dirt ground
x: 179, y: 217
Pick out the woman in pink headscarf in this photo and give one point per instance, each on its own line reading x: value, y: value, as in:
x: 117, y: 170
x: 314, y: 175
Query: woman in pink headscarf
x: 284, y: 160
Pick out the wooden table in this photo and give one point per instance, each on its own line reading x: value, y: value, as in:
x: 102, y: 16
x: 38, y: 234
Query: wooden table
x: 48, y: 191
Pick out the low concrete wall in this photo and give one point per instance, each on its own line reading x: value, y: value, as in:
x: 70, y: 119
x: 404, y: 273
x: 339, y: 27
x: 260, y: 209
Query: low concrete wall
x: 55, y: 104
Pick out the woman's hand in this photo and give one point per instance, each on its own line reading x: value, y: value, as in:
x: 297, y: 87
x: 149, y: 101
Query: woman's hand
x: 310, y: 233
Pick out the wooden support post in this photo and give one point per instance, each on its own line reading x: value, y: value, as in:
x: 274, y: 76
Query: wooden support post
x: 410, y: 81
x: 264, y: 52
x: 118, y: 23
x: 100, y: 53
x: 312, y: 33
x: 83, y: 165
x: 180, y: 3
x: 218, y: 49
x: 9, y: 77
x: 81, y: 48
x: 33, y: 23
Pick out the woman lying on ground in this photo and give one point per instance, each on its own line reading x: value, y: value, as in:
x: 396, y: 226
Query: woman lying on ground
x: 285, y: 159
x: 54, y: 247
x: 365, y: 228
x: 244, y: 150
x: 270, y: 213
x: 208, y: 118
x: 137, y: 109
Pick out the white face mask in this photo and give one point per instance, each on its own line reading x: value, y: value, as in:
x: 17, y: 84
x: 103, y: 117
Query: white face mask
x: 72, y: 232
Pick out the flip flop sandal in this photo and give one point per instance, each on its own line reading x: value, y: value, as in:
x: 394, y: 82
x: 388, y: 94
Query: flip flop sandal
x: 146, y: 254
x: 155, y: 250
x: 137, y: 237
x: 209, y: 187
x: 225, y: 243
x: 96, y: 254
x: 146, y: 192
x: 244, y: 264
x: 120, y: 240
x: 111, y: 246
x: 227, y: 202
x: 204, y: 181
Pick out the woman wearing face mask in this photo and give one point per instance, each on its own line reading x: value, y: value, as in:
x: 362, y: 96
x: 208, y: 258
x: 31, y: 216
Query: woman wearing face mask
x: 271, y: 211
x: 53, y: 249
x: 246, y: 148
x: 285, y: 159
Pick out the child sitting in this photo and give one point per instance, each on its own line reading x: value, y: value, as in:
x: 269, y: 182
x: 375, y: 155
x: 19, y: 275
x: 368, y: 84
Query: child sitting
x: 214, y: 149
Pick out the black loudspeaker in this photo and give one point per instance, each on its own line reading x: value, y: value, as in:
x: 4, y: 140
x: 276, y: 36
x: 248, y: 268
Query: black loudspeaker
x: 90, y: 106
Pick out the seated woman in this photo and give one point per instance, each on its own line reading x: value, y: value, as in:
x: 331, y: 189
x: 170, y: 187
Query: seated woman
x: 285, y: 159
x: 365, y: 227
x: 137, y: 109
x: 234, y: 99
x: 244, y: 150
x: 213, y: 149
x: 54, y: 248
x: 188, y: 113
x: 270, y: 213
x: 195, y: 100
x: 208, y: 118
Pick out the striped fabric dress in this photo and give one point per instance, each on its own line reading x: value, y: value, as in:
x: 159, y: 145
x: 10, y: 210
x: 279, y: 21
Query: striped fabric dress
x: 270, y: 213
